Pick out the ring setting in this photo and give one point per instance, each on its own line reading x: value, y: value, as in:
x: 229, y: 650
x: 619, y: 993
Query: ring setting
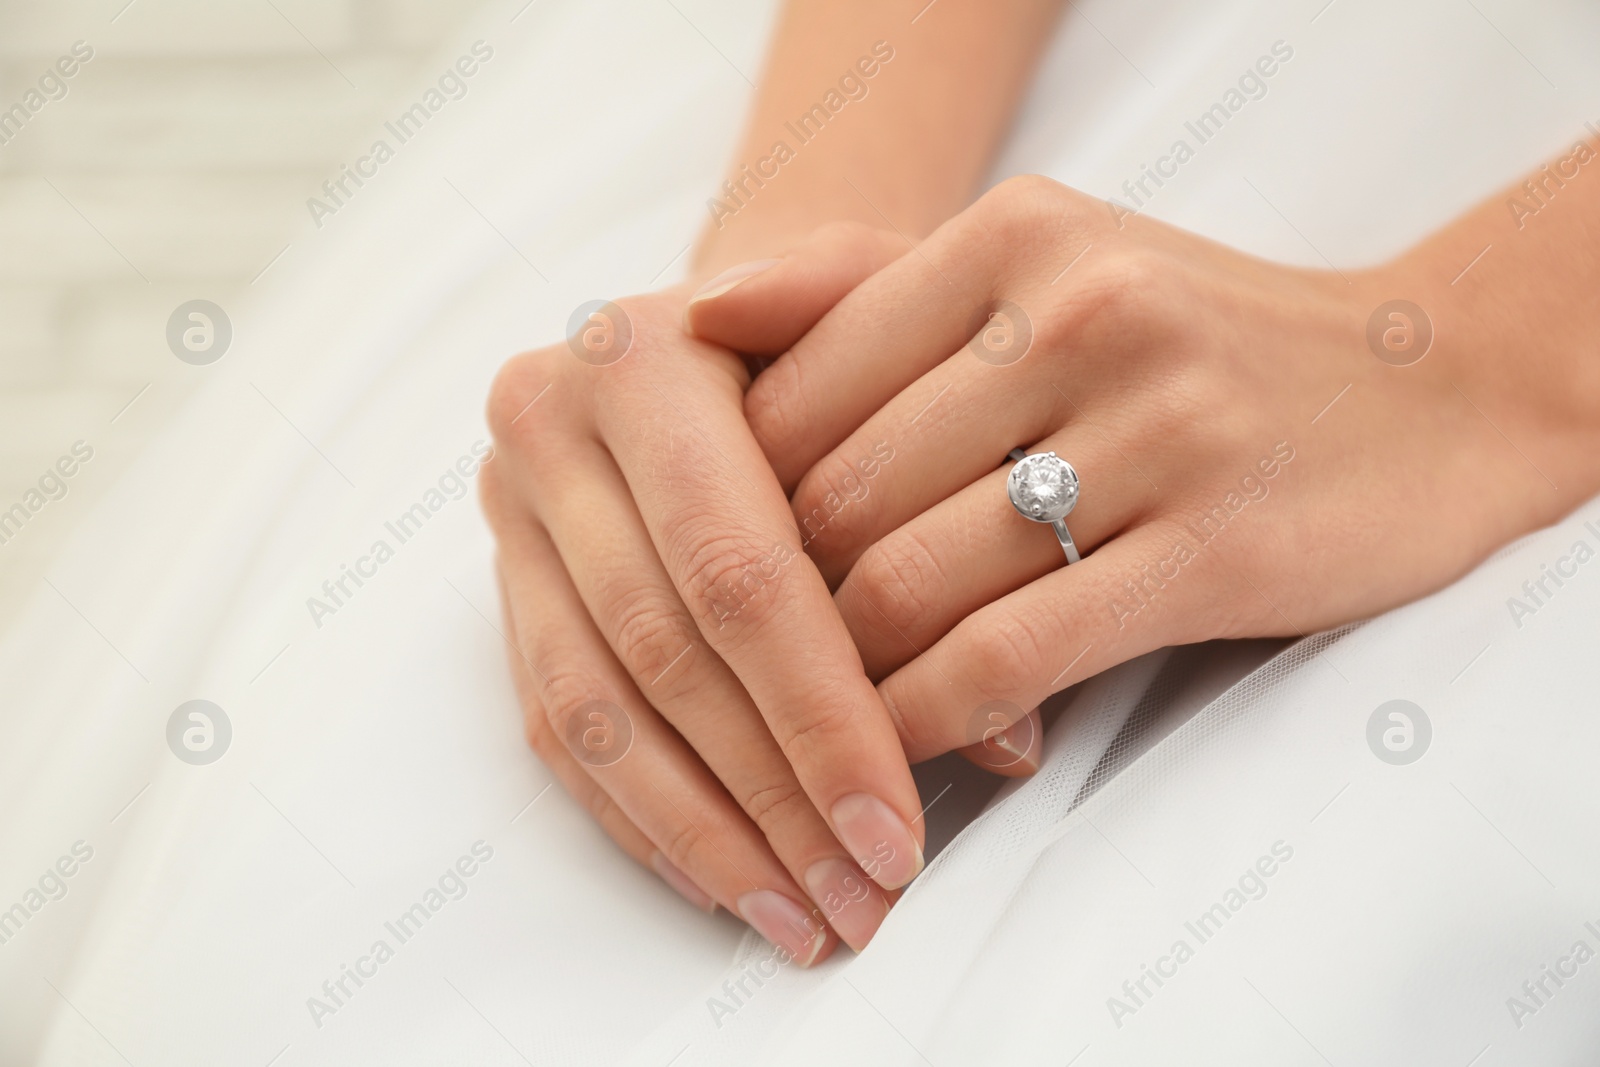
x: 1043, y: 487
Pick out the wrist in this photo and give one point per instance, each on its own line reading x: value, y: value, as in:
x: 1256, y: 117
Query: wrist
x: 1511, y: 325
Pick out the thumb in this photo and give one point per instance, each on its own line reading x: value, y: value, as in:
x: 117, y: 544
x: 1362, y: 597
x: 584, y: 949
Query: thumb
x: 763, y: 307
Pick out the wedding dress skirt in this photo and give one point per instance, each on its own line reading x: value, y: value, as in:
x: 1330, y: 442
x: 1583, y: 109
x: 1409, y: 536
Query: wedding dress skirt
x: 1233, y: 853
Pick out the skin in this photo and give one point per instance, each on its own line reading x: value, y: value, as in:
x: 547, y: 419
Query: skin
x: 906, y: 156
x: 652, y: 511
x: 635, y: 495
x: 1190, y: 386
x: 617, y: 532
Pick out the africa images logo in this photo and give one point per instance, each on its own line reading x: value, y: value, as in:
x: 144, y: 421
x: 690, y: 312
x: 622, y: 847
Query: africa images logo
x: 51, y: 86
x: 1251, y: 885
x: 452, y: 485
x: 451, y: 85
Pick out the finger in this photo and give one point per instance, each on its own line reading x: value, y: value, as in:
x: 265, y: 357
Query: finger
x: 721, y: 525
x: 1011, y: 750
x: 763, y: 308
x: 945, y: 431
x: 889, y: 331
x: 607, y: 552
x: 641, y: 762
x: 911, y: 587
x: 1074, y: 622
x: 584, y: 789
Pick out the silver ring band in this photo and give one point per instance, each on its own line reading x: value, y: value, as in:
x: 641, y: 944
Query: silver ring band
x: 1044, y: 488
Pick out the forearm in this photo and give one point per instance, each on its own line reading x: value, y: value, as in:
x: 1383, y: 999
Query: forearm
x: 864, y: 115
x: 1518, y: 331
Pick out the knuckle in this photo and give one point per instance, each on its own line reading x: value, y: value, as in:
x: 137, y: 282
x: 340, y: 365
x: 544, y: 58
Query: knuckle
x: 919, y: 734
x: 566, y: 690
x: 1022, y: 207
x: 734, y: 576
x: 1150, y: 293
x: 651, y: 328
x: 774, y: 807
x: 649, y: 319
x: 646, y: 334
x: 1010, y: 653
x: 683, y: 845
x: 901, y: 582
x: 826, y: 503
x: 1028, y: 193
x: 1067, y: 329
x: 655, y: 311
x: 660, y: 355
x: 536, y: 729
x: 1130, y: 281
x: 816, y: 731
x: 648, y: 633
x: 1031, y: 186
x: 515, y: 386
x: 1123, y: 299
x: 772, y: 407
x: 1024, y: 223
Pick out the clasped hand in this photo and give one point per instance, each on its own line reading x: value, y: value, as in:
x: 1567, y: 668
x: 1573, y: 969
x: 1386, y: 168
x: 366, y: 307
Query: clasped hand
x: 741, y: 604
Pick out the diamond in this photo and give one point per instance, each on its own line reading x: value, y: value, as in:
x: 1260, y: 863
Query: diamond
x: 1043, y: 487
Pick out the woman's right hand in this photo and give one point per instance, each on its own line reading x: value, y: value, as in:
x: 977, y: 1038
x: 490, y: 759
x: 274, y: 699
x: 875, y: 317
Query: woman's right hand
x: 680, y: 662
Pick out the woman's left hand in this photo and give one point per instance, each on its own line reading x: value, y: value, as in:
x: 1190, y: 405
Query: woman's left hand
x: 1251, y: 463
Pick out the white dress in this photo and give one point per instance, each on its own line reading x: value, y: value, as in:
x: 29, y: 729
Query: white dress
x: 1220, y: 862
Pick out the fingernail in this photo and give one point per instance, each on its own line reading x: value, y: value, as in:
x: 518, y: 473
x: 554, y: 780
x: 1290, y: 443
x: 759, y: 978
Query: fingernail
x: 879, y: 839
x: 730, y: 278
x: 848, y: 901
x: 672, y: 875
x: 784, y: 923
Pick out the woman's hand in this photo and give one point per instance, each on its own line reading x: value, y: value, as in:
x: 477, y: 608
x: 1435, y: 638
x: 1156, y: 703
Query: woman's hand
x: 1251, y: 463
x: 638, y: 521
x: 658, y: 595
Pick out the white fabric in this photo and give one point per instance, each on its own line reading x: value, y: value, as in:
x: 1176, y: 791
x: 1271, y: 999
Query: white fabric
x: 370, y: 754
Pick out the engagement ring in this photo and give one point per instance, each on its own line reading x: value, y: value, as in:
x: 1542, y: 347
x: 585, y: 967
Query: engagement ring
x: 1044, y: 488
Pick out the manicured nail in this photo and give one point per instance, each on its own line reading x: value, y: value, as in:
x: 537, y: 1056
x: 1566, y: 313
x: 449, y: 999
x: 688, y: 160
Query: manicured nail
x: 730, y: 278
x: 784, y: 923
x: 673, y: 876
x: 878, y: 839
x: 848, y: 901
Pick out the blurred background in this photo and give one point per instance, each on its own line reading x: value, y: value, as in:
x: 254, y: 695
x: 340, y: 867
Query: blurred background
x: 176, y: 167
